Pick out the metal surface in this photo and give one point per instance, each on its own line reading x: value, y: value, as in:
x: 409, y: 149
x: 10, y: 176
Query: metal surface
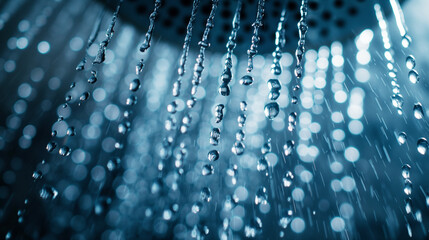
x: 329, y: 20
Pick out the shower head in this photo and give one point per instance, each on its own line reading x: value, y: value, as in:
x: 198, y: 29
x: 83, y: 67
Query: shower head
x: 328, y: 20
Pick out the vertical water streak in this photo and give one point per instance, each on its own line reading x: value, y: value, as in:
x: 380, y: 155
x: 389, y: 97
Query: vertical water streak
x: 148, y: 36
x: 101, y: 54
x: 399, y: 17
x: 253, y: 50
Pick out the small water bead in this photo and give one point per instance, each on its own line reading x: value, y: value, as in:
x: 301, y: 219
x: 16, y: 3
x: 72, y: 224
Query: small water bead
x: 292, y: 117
x: 410, y: 62
x: 243, y: 106
x: 262, y: 164
x: 397, y: 100
x: 72, y: 85
x: 196, y: 208
x: 124, y: 127
x: 71, y: 131
x: 37, y: 175
x: 241, y: 119
x: 68, y: 98
x: 261, y: 196
x: 224, y: 89
x: 274, y: 95
x: 191, y: 102
x: 402, y: 138
x: 208, y: 169
x: 219, y: 112
x: 406, y: 171
x: 206, y: 194
x: 135, y: 85
x: 240, y: 135
x: 113, y: 164
x: 284, y: 222
x: 408, y: 186
x: 271, y: 110
x: 139, y: 67
x: 418, y: 111
x: 172, y: 107
x: 84, y: 96
x: 294, y: 100
x: 131, y: 100
x: 408, y: 205
x: 48, y: 193
x: 254, y: 228
x: 64, y: 151
x: 51, y: 146
x: 246, y: 80
x: 274, y: 84
x: 266, y: 148
x: 226, y: 76
x: 288, y: 147
x: 287, y: 180
x: 296, y: 88
x: 422, y: 146
x: 92, y: 79
x: 238, y: 148
x: 413, y: 76
x: 406, y: 41
x: 54, y: 133
x: 213, y: 155
x: 276, y: 68
x: 81, y: 65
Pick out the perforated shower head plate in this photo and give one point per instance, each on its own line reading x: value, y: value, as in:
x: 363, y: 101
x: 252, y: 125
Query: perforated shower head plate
x: 328, y: 20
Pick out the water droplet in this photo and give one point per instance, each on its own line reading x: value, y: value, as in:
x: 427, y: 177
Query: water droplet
x: 402, y: 138
x: 213, y: 155
x: 246, y: 80
x: 274, y: 84
x: 68, y: 98
x: 124, y: 127
x: 408, y: 187
x: 48, y: 193
x: 241, y: 119
x: 71, y: 131
x: 207, y: 170
x: 410, y: 62
x: 226, y: 76
x: 243, y: 106
x: 413, y: 76
x: 422, y: 146
x: 262, y: 164
x: 284, y: 222
x: 206, y: 194
x: 72, y: 85
x: 408, y: 205
x: 254, y: 228
x: 134, y: 85
x: 397, y: 100
x: 37, y: 175
x: 84, y: 96
x: 113, y: 164
x: 276, y: 69
x: 287, y: 180
x: 51, y: 146
x: 81, y: 65
x: 274, y: 95
x: 139, y: 66
x: 131, y: 100
x: 64, y: 151
x: 238, y: 148
x: 54, y: 133
x: 261, y: 196
x: 224, y: 89
x: 239, y: 135
x: 266, y: 148
x: 418, y: 111
x: 294, y: 100
x: 191, y: 102
x: 288, y: 147
x: 406, y: 171
x: 92, y: 79
x: 271, y: 110
x: 406, y: 41
x: 196, y: 208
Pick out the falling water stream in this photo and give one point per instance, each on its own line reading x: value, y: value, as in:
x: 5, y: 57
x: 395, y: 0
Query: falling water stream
x: 111, y: 134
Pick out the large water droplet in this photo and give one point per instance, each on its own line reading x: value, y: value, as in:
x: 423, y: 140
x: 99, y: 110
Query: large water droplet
x: 402, y: 138
x: 246, y: 80
x: 413, y: 76
x: 48, y: 193
x: 406, y: 171
x: 410, y: 62
x: 288, y: 147
x: 207, y: 170
x: 271, y: 110
x: 418, y: 111
x: 406, y: 41
x: 422, y: 146
x: 213, y: 155
x: 134, y: 85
